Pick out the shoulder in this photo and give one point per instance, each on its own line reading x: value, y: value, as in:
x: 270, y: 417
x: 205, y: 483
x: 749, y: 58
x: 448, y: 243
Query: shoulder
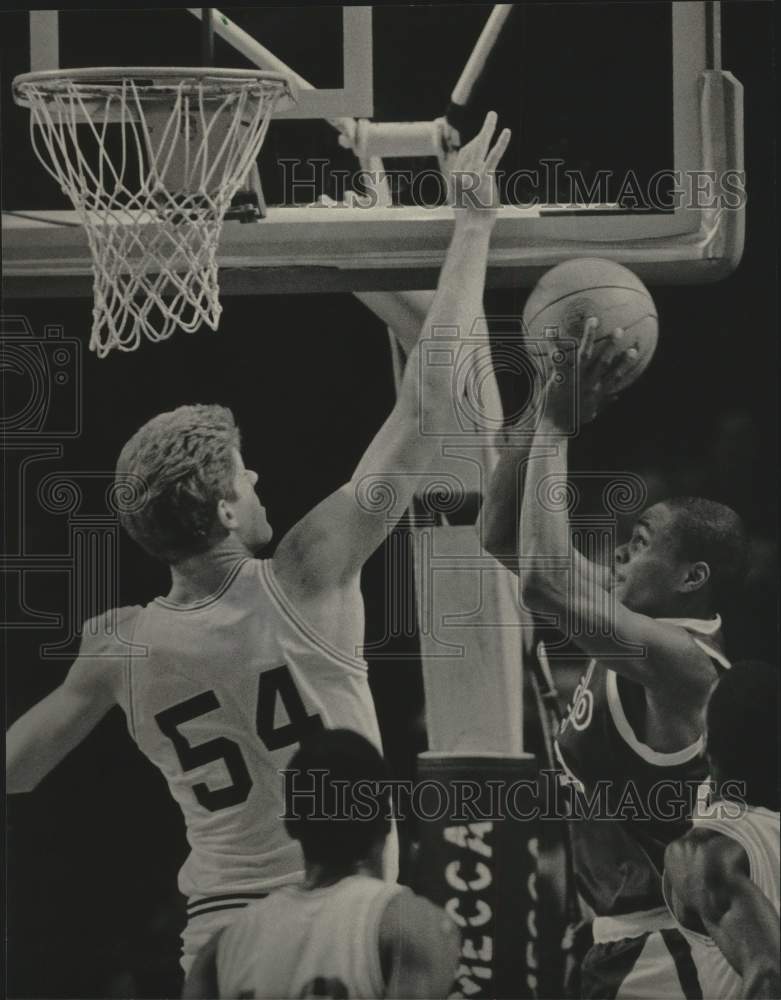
x: 705, y: 859
x: 106, y: 642
x: 110, y: 631
x: 419, y: 947
x: 684, y: 640
x: 685, y: 665
x: 419, y: 925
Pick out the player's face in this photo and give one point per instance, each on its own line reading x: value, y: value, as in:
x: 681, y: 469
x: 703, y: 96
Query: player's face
x: 646, y: 569
x: 253, y: 527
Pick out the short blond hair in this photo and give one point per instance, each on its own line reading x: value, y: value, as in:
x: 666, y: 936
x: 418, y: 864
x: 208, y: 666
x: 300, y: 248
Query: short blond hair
x: 180, y: 464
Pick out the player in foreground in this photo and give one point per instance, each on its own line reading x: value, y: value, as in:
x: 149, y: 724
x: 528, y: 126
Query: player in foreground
x: 244, y: 658
x: 343, y: 932
x: 722, y: 879
x: 631, y: 745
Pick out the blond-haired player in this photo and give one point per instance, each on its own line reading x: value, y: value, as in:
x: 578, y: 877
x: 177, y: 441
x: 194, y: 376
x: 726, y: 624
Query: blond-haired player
x: 243, y: 658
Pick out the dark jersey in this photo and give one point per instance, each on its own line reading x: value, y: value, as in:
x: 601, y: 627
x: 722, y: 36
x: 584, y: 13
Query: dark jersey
x: 628, y: 801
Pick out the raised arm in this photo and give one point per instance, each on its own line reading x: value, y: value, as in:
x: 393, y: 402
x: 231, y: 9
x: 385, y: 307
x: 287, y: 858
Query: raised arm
x: 47, y: 733
x: 502, y: 508
x: 420, y: 947
x: 330, y: 544
x: 502, y: 505
x: 403, y: 312
x: 708, y: 874
x: 560, y: 582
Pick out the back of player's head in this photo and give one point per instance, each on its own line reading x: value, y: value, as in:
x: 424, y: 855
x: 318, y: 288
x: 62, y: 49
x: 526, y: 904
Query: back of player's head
x: 176, y: 469
x: 710, y: 532
x: 743, y: 731
x: 338, y: 800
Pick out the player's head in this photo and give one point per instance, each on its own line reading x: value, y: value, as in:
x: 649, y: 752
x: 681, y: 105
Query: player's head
x: 742, y: 733
x: 338, y: 799
x: 684, y: 553
x: 188, y: 485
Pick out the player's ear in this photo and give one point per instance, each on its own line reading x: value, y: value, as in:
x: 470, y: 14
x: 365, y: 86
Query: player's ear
x: 697, y: 575
x: 226, y: 515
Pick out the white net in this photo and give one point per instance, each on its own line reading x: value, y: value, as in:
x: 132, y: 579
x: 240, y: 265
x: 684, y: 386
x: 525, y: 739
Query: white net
x: 151, y: 167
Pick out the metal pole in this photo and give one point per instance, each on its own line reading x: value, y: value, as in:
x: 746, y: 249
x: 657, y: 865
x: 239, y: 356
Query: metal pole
x: 480, y: 54
x: 207, y: 36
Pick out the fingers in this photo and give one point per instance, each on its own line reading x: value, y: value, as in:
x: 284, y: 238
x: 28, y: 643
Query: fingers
x: 552, y: 375
x: 616, y: 378
x: 485, y: 134
x: 625, y: 365
x: 598, y: 349
x: 498, y: 151
x: 611, y: 361
x: 477, y: 149
x: 608, y: 354
x: 586, y: 346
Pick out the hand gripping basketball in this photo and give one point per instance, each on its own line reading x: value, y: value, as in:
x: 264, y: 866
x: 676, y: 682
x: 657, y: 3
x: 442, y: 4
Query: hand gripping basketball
x: 606, y: 312
x: 602, y: 368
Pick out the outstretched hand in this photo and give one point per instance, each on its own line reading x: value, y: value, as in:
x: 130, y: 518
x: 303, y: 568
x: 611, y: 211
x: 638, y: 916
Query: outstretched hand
x: 472, y: 189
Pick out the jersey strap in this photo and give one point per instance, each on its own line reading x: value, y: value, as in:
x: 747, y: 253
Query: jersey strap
x: 627, y: 734
x: 205, y: 602
x: 301, y: 626
x: 702, y: 631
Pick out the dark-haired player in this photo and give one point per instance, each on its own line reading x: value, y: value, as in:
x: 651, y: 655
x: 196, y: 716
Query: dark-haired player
x: 245, y: 657
x: 651, y: 630
x: 343, y: 932
x: 722, y: 878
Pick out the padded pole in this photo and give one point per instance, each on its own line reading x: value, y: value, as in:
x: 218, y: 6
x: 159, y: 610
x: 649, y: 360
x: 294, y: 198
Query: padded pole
x: 482, y: 50
x: 460, y: 115
x: 207, y: 36
x: 479, y: 845
x: 469, y: 621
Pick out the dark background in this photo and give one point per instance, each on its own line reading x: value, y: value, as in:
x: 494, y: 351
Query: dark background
x: 94, y: 852
x: 569, y: 86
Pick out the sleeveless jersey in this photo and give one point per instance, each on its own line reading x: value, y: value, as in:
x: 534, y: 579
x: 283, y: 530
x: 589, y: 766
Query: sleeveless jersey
x: 631, y: 800
x: 308, y: 943
x: 217, y: 695
x: 758, y: 832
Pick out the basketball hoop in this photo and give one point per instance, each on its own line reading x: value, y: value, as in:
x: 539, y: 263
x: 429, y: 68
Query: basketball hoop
x: 151, y: 173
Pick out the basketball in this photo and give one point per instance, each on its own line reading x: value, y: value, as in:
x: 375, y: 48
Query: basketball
x: 567, y: 295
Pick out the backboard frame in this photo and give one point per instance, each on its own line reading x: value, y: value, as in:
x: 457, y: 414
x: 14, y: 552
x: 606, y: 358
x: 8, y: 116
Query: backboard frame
x: 354, y: 97
x: 340, y: 248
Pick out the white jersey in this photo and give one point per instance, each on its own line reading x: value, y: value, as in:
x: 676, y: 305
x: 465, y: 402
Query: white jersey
x: 307, y: 943
x: 758, y: 832
x: 218, y: 694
